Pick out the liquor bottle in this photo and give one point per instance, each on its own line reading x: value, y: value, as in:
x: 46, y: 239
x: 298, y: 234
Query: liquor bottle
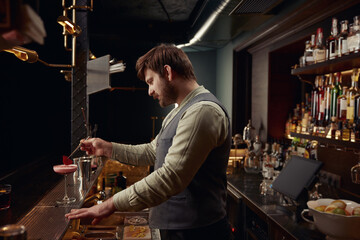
x: 267, y: 167
x: 307, y: 149
x: 314, y: 99
x: 346, y: 131
x: 265, y: 156
x: 357, y: 110
x: 356, y: 26
x: 321, y: 100
x: 314, y: 150
x: 329, y: 85
x: 336, y: 91
x: 342, y: 39
x: 331, y: 41
x: 295, y: 119
x: 351, y: 95
x: 307, y: 103
x: 319, y: 49
x: 288, y: 126
x: 308, y: 53
x: 351, y: 39
x: 331, y: 132
x: 353, y: 133
x: 301, y: 111
x: 273, y: 153
x: 338, y: 132
x: 357, y: 132
x: 304, y: 123
x: 354, y: 35
x: 342, y: 104
x: 279, y: 159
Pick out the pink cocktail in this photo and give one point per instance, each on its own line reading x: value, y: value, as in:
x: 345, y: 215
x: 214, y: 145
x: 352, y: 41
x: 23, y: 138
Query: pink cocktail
x: 65, y: 170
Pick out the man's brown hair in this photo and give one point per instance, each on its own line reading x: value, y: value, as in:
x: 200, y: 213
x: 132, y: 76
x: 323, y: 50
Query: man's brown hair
x: 165, y: 54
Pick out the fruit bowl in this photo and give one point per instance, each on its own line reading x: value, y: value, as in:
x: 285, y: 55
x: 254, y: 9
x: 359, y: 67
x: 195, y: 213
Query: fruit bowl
x: 335, y: 226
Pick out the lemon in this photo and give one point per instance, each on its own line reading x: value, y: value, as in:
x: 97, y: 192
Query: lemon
x: 320, y: 208
x: 339, y: 204
x: 356, y: 211
x: 339, y: 211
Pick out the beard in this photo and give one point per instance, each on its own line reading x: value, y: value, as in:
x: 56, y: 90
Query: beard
x: 169, y: 94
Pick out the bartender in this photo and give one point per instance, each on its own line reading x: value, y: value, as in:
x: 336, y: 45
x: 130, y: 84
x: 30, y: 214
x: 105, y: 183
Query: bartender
x: 186, y: 192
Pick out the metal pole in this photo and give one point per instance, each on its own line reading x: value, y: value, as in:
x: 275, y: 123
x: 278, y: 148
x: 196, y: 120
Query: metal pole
x: 79, y: 98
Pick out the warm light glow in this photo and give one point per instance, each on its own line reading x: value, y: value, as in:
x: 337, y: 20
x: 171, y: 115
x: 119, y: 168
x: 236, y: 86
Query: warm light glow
x: 24, y: 54
x: 69, y: 26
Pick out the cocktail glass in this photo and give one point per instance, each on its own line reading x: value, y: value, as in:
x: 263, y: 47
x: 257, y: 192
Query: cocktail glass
x: 65, y: 170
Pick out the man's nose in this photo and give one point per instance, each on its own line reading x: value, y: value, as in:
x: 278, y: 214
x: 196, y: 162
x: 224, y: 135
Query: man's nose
x: 150, y: 91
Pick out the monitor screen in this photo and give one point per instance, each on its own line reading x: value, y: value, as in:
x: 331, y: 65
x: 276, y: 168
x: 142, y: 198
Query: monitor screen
x: 298, y: 174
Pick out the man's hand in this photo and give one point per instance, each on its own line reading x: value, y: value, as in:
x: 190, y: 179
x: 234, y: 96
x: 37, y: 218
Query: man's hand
x: 97, y: 147
x: 97, y: 212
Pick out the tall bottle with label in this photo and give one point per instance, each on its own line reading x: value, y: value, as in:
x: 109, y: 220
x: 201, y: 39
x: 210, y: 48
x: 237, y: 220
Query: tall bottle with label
x: 308, y: 53
x: 342, y: 104
x: 351, y: 38
x: 279, y: 159
x: 336, y: 91
x: 351, y: 95
x: 328, y: 88
x: 342, y: 39
x: 354, y: 36
x: 321, y: 100
x: 319, y: 49
x: 314, y: 99
x: 332, y: 41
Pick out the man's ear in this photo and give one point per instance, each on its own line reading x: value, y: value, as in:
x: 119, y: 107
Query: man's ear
x: 168, y: 73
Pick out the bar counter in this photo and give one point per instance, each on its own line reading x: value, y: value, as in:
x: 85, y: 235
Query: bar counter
x: 46, y: 220
x: 264, y: 215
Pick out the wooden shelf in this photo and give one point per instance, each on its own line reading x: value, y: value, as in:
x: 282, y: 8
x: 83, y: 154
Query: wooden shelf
x: 333, y: 142
x: 346, y: 62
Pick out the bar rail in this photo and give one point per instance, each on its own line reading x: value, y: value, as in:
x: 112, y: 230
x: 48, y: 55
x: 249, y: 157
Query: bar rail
x: 46, y: 219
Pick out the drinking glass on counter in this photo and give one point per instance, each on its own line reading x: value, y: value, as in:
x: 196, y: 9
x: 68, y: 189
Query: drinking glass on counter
x: 65, y: 170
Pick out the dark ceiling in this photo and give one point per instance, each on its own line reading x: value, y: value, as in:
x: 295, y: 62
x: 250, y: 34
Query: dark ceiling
x: 128, y: 28
x: 137, y: 25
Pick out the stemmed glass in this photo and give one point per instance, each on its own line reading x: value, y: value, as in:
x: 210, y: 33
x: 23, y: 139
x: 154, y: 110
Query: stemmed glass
x: 316, y: 194
x: 355, y: 172
x: 65, y: 170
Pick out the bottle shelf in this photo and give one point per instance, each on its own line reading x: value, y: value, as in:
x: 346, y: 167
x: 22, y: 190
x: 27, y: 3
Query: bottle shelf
x: 346, y: 62
x: 328, y: 141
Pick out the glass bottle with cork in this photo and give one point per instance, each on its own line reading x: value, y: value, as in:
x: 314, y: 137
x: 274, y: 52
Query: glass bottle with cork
x: 342, y: 105
x: 314, y: 101
x: 328, y: 88
x: 321, y: 107
x: 351, y: 95
x: 354, y: 36
x: 336, y: 91
x: 332, y: 41
x: 342, y: 39
x: 319, y: 49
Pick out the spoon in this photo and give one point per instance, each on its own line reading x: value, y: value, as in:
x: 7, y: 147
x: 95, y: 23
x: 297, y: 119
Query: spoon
x: 66, y: 159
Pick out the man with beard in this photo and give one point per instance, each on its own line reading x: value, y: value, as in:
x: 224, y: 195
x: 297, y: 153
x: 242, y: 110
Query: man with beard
x: 186, y: 192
